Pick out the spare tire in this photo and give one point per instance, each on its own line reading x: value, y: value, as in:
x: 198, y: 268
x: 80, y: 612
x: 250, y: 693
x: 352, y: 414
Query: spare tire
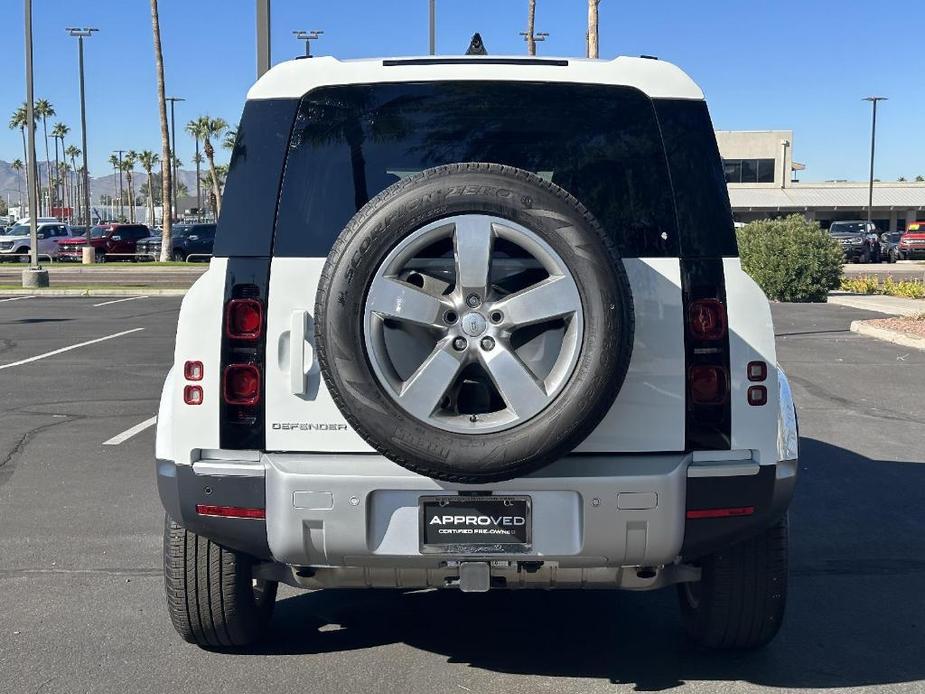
x: 473, y: 322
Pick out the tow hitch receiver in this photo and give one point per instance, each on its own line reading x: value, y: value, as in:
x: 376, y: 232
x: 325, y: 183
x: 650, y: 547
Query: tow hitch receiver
x: 474, y: 577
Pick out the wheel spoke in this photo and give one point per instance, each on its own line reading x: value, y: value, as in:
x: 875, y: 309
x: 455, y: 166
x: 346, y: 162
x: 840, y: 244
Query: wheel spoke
x: 392, y: 298
x: 554, y: 297
x: 473, y: 241
x: 521, y: 390
x: 422, y: 392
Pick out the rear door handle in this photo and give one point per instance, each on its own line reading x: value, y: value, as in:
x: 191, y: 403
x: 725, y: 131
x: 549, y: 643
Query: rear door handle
x: 299, y: 365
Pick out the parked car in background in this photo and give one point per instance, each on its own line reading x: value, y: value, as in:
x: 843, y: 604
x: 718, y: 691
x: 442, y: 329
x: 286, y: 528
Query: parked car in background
x: 859, y: 240
x: 16, y: 243
x: 889, y: 246
x: 912, y: 243
x: 185, y: 240
x: 110, y: 242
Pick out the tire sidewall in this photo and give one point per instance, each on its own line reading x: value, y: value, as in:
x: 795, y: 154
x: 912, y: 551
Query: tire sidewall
x: 557, y: 219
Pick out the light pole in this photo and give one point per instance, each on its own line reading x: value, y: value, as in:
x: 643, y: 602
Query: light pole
x: 34, y: 276
x: 263, y: 37
x: 432, y: 26
x: 81, y: 33
x: 534, y: 39
x: 873, y: 139
x: 173, y: 153
x: 308, y: 37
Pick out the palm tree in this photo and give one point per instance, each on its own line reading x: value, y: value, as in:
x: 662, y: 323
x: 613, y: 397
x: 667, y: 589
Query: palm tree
x: 531, y: 23
x: 44, y: 110
x: 148, y: 159
x: 197, y: 160
x: 128, y: 165
x: 17, y: 166
x: 592, y: 28
x: 205, y: 129
x: 73, y: 152
x: 230, y: 137
x: 166, y: 156
x: 117, y: 173
x: 19, y: 120
x: 59, y: 132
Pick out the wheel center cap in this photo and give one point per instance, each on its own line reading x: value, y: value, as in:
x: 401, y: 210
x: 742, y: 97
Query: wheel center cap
x: 474, y: 324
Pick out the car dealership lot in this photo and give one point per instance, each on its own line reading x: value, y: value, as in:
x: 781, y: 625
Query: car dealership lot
x: 81, y: 592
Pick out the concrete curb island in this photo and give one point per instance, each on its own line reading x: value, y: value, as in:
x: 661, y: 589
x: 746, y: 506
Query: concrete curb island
x: 905, y: 339
x: 115, y: 291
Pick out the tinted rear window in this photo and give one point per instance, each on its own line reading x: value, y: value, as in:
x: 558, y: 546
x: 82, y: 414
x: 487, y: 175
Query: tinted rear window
x: 602, y: 144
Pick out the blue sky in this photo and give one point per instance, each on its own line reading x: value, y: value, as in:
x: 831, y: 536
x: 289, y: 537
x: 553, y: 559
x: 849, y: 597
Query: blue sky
x: 794, y: 64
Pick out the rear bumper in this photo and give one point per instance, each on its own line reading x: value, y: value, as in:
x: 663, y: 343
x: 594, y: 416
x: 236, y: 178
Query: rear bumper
x: 588, y: 511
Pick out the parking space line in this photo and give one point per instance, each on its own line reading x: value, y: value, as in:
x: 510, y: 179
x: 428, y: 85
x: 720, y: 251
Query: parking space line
x: 130, y: 432
x: 68, y: 349
x: 119, y: 301
x: 17, y: 298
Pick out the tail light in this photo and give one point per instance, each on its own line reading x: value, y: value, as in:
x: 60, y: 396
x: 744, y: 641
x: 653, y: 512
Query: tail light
x: 230, y: 511
x: 709, y: 385
x: 241, y: 384
x: 706, y: 319
x: 192, y: 395
x: 244, y: 319
x: 192, y: 371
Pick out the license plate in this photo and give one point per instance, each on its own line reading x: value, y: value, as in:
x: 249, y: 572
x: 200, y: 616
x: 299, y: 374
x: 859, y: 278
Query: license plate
x: 475, y: 524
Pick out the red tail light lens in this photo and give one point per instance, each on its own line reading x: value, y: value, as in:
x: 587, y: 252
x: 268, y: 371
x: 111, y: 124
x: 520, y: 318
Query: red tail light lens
x: 707, y: 319
x: 241, y: 384
x: 721, y: 512
x: 709, y: 385
x: 192, y: 395
x: 244, y: 319
x: 757, y: 396
x: 230, y: 511
x: 757, y: 371
x: 192, y: 371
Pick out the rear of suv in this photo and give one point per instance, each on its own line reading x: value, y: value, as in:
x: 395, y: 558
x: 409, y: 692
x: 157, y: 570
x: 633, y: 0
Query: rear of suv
x: 186, y: 240
x: 476, y: 323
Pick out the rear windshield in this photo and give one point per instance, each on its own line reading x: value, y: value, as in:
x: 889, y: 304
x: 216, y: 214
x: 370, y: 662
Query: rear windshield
x: 853, y: 228
x: 612, y: 147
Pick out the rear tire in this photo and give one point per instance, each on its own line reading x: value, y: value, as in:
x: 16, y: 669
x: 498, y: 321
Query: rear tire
x: 739, y: 602
x: 212, y: 597
x: 99, y: 257
x: 178, y: 257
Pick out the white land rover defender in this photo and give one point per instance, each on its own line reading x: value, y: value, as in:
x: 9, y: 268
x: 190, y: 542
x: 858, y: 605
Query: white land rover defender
x: 477, y: 323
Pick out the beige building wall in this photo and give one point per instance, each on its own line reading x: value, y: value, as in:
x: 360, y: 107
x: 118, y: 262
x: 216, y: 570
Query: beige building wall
x: 759, y: 144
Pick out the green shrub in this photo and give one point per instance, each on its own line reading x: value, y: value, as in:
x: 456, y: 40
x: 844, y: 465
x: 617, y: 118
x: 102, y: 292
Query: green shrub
x: 791, y: 259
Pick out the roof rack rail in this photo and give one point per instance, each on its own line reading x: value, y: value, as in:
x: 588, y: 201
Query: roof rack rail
x: 390, y: 62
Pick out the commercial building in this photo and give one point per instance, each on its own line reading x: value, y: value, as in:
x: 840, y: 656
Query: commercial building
x: 760, y: 173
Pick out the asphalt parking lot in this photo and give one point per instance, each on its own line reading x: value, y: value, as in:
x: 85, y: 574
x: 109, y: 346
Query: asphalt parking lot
x: 81, y: 594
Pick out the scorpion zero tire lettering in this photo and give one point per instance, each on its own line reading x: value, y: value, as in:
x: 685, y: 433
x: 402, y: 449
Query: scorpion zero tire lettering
x: 473, y: 322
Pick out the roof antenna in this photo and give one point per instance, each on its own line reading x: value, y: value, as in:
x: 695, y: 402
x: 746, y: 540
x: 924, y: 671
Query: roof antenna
x: 476, y: 47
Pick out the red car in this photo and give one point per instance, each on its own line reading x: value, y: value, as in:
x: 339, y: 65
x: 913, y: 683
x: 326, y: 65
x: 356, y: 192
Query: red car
x: 110, y: 241
x: 912, y: 243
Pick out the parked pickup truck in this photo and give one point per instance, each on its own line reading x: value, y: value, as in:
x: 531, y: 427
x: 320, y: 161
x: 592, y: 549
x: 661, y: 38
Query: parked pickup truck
x: 109, y: 241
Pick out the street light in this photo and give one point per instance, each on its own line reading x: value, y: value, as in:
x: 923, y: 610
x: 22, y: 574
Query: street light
x: 873, y: 139
x: 81, y: 33
x: 432, y: 26
x: 173, y: 153
x: 34, y: 276
x: 308, y: 37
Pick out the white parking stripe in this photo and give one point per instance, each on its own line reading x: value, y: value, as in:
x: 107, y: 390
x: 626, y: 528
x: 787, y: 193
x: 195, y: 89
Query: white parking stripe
x: 68, y: 349
x: 130, y: 432
x: 119, y: 301
x: 17, y: 298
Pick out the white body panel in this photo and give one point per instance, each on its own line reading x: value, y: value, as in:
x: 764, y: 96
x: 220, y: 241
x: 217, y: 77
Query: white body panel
x: 655, y: 78
x: 751, y: 338
x: 648, y: 414
x: 183, y: 430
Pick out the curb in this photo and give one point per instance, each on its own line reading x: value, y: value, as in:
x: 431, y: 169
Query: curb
x: 863, y: 328
x: 115, y: 291
x: 878, y: 303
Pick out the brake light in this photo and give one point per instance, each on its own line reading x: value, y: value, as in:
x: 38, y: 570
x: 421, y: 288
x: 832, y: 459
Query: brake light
x: 721, y: 512
x: 707, y: 319
x: 709, y: 385
x: 230, y: 511
x: 244, y: 319
x: 241, y: 384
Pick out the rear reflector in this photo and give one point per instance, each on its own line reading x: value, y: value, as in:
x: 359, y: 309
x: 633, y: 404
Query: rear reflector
x: 192, y: 371
x: 757, y: 396
x: 244, y: 319
x: 709, y: 385
x: 192, y: 395
x: 707, y: 319
x: 757, y: 371
x: 721, y: 512
x: 230, y: 511
x: 241, y: 384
